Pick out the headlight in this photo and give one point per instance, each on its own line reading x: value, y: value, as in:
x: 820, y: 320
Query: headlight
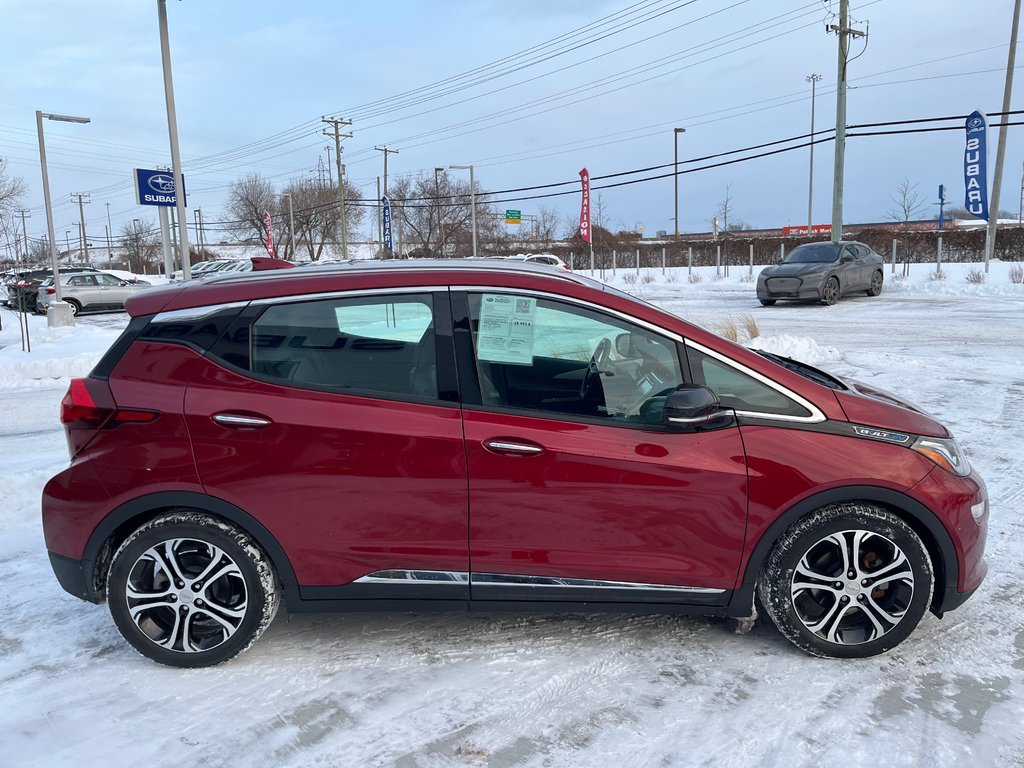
x: 946, y: 453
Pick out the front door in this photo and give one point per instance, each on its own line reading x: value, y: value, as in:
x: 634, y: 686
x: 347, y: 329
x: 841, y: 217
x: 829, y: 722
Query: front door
x: 577, y: 490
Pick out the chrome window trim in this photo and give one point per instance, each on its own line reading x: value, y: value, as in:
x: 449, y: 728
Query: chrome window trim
x: 343, y: 294
x: 196, y: 313
x: 815, y: 416
x: 598, y: 308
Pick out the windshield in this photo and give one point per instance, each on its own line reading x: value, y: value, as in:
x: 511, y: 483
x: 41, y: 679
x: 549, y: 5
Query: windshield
x: 812, y: 253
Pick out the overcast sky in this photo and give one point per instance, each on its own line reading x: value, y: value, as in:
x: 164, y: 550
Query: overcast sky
x: 253, y: 78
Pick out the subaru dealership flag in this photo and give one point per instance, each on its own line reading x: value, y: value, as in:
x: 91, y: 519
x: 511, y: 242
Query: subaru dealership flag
x: 387, y: 222
x: 585, y: 207
x: 975, y: 161
x: 270, y: 235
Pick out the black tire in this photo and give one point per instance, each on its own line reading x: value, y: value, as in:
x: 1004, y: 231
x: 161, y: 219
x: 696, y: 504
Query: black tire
x: 830, y: 293
x: 76, y: 308
x: 767, y: 302
x: 876, y: 283
x: 184, y: 622
x: 830, y: 612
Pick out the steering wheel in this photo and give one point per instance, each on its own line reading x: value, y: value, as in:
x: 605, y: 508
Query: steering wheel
x: 600, y: 358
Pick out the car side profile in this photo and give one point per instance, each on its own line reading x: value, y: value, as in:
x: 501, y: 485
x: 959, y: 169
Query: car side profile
x: 88, y: 291
x: 499, y: 436
x: 822, y: 272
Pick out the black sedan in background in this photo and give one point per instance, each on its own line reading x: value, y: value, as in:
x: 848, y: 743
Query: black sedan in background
x: 822, y: 272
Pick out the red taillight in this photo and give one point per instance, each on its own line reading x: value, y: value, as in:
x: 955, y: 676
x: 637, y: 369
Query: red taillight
x: 89, y: 405
x: 51, y: 291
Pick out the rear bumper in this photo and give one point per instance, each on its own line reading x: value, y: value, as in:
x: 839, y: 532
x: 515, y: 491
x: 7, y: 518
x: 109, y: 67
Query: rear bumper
x: 72, y: 576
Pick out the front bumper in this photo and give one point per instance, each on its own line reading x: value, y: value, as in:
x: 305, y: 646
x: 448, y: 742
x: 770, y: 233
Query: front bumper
x: 792, y: 288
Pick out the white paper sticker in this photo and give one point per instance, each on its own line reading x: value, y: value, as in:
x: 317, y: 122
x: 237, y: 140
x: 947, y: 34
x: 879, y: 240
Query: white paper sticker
x: 505, y: 334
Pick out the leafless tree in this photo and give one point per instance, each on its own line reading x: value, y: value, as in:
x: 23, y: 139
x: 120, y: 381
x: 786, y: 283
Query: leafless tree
x: 315, y: 213
x: 908, y: 203
x: 438, y: 217
x: 547, y: 223
x: 725, y: 209
x: 248, y: 199
x: 141, y: 244
x: 12, y: 189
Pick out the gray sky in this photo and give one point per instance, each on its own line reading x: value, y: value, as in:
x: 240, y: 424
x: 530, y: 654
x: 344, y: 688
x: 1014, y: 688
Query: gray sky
x: 252, y: 80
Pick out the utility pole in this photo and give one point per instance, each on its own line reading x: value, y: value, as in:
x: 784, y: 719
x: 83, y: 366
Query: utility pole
x: 330, y: 178
x: 202, y: 232
x: 675, y: 139
x: 81, y: 215
x: 24, y: 229
x: 997, y: 177
x: 386, y: 152
x: 291, y: 226
x: 813, y: 80
x: 110, y: 231
x: 844, y: 33
x: 437, y: 205
x: 336, y: 124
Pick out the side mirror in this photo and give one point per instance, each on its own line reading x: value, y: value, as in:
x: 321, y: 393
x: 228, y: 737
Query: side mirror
x: 847, y: 258
x: 693, y: 408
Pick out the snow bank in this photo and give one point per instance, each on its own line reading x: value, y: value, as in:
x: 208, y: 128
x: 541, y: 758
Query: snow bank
x: 58, y: 354
x: 799, y: 348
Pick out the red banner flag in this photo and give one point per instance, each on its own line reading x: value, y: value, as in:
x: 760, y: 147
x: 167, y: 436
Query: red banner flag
x: 270, y: 235
x: 585, y: 208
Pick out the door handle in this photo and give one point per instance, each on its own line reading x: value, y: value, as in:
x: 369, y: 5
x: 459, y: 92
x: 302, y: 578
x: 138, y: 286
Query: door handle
x: 507, y: 447
x: 240, y: 421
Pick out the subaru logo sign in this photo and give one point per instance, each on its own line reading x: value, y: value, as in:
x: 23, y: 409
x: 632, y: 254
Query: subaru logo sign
x: 155, y: 187
x: 161, y: 183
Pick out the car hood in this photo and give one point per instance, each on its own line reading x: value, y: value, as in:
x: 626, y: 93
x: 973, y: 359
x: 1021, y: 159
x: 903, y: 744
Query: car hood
x: 796, y: 270
x: 873, y: 407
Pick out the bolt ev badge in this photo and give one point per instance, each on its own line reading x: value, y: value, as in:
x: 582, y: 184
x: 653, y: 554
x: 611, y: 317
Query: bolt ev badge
x: 882, y: 434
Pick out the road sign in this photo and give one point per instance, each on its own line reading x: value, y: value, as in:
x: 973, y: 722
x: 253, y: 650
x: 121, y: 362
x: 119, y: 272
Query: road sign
x: 513, y: 217
x: 155, y: 187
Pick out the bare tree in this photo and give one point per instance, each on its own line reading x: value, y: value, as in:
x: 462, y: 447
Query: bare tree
x: 908, y: 203
x: 248, y: 198
x: 12, y: 189
x: 436, y: 214
x: 726, y: 208
x: 315, y: 212
x: 141, y: 245
x: 547, y: 223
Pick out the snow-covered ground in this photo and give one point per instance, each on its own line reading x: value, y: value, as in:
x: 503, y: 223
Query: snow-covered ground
x: 503, y: 690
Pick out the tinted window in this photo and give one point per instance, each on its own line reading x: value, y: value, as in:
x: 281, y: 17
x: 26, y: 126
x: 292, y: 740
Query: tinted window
x: 543, y: 355
x: 198, y: 330
x: 80, y: 280
x: 738, y: 390
x: 812, y: 253
x: 108, y: 280
x: 377, y: 344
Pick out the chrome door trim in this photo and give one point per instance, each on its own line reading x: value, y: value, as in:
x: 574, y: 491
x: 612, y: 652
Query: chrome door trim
x: 541, y: 582
x: 419, y: 577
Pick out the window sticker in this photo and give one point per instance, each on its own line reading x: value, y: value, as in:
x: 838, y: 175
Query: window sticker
x: 505, y: 334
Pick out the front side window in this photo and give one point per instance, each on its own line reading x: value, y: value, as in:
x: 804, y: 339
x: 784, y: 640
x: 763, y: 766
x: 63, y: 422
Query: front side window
x: 536, y: 354
x: 381, y: 344
x: 108, y: 280
x: 82, y: 280
x: 736, y: 389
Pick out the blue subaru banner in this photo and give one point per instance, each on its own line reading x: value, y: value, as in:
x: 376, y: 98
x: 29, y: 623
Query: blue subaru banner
x: 387, y: 222
x: 975, y: 162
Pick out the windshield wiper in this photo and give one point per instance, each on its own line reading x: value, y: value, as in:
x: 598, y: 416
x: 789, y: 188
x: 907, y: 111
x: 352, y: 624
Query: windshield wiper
x: 807, y: 371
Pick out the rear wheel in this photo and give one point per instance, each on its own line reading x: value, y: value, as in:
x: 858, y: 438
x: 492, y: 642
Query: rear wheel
x: 188, y: 590
x: 76, y: 308
x: 847, y: 581
x: 830, y: 293
x: 876, y: 284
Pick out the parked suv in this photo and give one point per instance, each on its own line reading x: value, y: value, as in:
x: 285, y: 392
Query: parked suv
x: 394, y: 436
x: 822, y: 272
x: 88, y: 291
x: 23, y: 291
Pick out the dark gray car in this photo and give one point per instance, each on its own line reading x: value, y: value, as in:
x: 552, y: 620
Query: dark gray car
x: 822, y: 272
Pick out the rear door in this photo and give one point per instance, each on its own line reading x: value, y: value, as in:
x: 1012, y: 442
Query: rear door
x: 85, y: 290
x: 335, y: 422
x: 577, y: 490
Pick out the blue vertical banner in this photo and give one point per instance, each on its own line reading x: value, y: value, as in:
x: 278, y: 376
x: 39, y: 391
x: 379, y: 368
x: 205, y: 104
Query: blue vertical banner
x: 975, y: 165
x: 386, y: 222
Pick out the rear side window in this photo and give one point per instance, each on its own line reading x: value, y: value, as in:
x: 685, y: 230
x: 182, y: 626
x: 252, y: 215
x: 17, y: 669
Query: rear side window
x: 736, y: 389
x: 377, y: 344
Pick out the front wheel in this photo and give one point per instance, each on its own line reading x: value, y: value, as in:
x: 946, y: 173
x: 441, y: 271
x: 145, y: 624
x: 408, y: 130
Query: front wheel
x: 830, y: 293
x: 847, y: 581
x: 188, y: 590
x: 767, y: 302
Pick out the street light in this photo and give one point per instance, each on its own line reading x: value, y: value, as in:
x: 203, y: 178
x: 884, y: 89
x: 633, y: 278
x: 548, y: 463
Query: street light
x: 813, y: 80
x: 437, y: 202
x: 675, y: 137
x: 58, y: 307
x: 472, y: 198
x: 291, y: 225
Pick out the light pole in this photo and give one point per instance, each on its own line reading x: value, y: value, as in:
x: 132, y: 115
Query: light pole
x: 813, y: 80
x: 67, y: 242
x: 472, y: 198
x: 59, y: 312
x: 437, y: 203
x: 291, y: 226
x: 676, y: 132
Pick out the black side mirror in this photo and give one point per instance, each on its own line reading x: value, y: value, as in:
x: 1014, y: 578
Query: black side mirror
x: 693, y: 408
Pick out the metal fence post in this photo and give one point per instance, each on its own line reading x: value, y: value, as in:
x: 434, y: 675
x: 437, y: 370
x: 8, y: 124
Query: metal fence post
x: 663, y: 260
x: 718, y: 261
x: 782, y: 251
x: 638, y: 262
x: 571, y: 266
x: 751, y: 260
x: 938, y: 257
x: 615, y: 256
x: 894, y: 255
x: 689, y: 262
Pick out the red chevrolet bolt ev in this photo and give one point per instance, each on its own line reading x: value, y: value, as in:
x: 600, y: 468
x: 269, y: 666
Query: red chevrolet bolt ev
x: 504, y: 436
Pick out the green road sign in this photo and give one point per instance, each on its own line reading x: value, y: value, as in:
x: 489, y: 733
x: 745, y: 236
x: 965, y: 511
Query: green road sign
x: 513, y: 217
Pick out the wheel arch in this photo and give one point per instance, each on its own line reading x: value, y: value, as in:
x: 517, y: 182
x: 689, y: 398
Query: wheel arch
x: 922, y: 520
x: 129, y: 516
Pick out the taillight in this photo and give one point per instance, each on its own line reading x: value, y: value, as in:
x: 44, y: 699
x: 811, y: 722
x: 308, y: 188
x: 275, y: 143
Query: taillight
x: 90, y: 405
x: 51, y: 291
